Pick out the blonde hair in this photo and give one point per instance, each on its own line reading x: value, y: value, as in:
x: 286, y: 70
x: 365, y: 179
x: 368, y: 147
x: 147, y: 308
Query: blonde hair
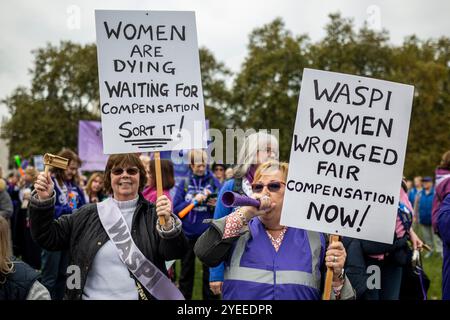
x: 252, y: 144
x: 6, y: 266
x: 272, y: 166
x: 197, y: 156
x: 94, y: 176
x: 31, y: 171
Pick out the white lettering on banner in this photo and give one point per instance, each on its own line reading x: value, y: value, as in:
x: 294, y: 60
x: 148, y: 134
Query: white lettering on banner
x: 347, y: 155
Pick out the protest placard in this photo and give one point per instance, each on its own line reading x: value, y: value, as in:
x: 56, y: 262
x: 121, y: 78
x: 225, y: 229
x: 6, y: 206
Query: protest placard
x: 90, y: 146
x: 151, y: 95
x: 347, y: 155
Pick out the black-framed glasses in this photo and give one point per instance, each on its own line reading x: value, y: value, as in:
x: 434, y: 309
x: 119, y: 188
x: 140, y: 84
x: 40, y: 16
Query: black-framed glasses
x: 131, y: 171
x: 273, y: 186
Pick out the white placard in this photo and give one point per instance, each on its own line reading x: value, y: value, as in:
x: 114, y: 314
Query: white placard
x: 347, y: 155
x: 151, y: 96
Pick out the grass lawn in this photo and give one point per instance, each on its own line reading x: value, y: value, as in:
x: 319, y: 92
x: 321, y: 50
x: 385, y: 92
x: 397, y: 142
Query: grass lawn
x: 433, y: 269
x: 197, y: 292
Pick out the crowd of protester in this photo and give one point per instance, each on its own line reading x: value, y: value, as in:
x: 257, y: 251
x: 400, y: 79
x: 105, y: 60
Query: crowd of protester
x: 50, y: 222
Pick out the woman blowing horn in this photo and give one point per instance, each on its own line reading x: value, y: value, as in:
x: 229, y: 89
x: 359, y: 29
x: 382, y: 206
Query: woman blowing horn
x: 265, y: 260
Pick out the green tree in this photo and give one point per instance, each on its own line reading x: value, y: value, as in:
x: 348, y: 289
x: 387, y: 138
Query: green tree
x: 216, y: 95
x: 424, y: 64
x: 64, y: 89
x: 265, y: 91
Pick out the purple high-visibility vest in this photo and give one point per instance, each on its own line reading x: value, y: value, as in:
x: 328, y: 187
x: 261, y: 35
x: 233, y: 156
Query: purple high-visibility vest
x: 255, y: 271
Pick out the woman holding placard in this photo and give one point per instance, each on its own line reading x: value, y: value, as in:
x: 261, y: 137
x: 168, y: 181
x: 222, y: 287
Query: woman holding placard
x: 118, y: 248
x: 265, y: 260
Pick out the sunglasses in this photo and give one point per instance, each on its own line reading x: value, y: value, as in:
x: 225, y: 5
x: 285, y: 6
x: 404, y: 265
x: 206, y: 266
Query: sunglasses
x: 131, y: 171
x: 272, y: 186
x: 218, y: 169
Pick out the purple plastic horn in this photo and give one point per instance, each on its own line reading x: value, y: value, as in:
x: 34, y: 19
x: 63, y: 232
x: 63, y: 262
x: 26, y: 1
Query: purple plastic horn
x: 233, y: 199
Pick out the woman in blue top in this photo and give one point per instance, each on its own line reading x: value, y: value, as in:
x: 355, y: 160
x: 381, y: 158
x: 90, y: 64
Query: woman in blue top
x: 257, y: 148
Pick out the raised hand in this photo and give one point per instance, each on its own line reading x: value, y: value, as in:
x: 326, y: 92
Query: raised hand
x: 44, y: 186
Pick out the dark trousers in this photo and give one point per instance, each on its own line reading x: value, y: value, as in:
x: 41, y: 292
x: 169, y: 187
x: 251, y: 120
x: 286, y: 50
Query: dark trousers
x: 18, y: 230
x: 32, y: 252
x: 54, y: 268
x: 391, y: 280
x: 187, y: 275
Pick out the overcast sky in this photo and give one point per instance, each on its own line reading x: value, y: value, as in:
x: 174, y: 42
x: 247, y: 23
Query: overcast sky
x: 223, y: 26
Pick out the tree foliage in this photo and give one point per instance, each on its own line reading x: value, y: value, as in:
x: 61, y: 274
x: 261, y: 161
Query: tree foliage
x: 64, y: 89
x: 267, y: 87
x: 264, y: 92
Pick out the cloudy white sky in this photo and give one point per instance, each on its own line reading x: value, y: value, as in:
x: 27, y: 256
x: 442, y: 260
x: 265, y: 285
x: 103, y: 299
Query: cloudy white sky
x: 222, y: 25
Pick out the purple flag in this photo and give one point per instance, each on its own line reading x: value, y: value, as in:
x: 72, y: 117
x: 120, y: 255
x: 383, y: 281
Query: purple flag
x: 90, y: 146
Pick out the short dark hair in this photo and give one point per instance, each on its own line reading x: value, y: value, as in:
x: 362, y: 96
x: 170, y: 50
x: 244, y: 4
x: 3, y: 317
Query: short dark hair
x: 445, y: 161
x: 215, y: 165
x: 130, y: 159
x: 168, y: 180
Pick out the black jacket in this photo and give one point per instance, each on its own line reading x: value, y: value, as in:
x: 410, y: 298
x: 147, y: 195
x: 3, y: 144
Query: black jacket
x: 17, y: 284
x: 83, y: 235
x: 358, y: 259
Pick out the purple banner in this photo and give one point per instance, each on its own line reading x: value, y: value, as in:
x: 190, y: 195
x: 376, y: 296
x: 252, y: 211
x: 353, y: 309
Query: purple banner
x: 90, y: 146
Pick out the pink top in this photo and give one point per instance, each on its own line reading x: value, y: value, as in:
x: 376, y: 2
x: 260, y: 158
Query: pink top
x: 150, y: 194
x: 399, y: 228
x: 234, y: 224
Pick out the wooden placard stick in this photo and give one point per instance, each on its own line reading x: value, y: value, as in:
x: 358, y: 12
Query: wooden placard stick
x: 329, y: 275
x: 50, y: 160
x: 159, y: 186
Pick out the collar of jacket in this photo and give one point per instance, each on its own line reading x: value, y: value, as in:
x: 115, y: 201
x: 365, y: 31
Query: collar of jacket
x: 204, y: 177
x: 142, y: 203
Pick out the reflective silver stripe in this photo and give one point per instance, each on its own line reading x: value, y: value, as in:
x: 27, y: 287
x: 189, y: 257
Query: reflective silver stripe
x: 249, y: 274
x: 315, y: 244
x: 267, y: 276
x: 239, y: 249
x: 297, y: 277
x: 235, y: 272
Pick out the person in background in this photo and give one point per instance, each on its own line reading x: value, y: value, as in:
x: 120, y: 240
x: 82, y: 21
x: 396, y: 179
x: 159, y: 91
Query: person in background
x: 18, y: 281
x: 257, y: 148
x: 167, y: 176
x: 218, y: 170
x: 199, y: 188
x: 391, y: 259
x: 229, y: 173
x: 13, y: 191
x: 150, y: 194
x: 69, y: 196
x: 409, y: 185
x: 94, y: 189
x: 6, y: 205
x: 422, y: 210
x: 442, y: 187
x: 443, y: 225
x: 31, y: 251
x: 83, y: 180
x: 412, y: 193
x: 145, y: 160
